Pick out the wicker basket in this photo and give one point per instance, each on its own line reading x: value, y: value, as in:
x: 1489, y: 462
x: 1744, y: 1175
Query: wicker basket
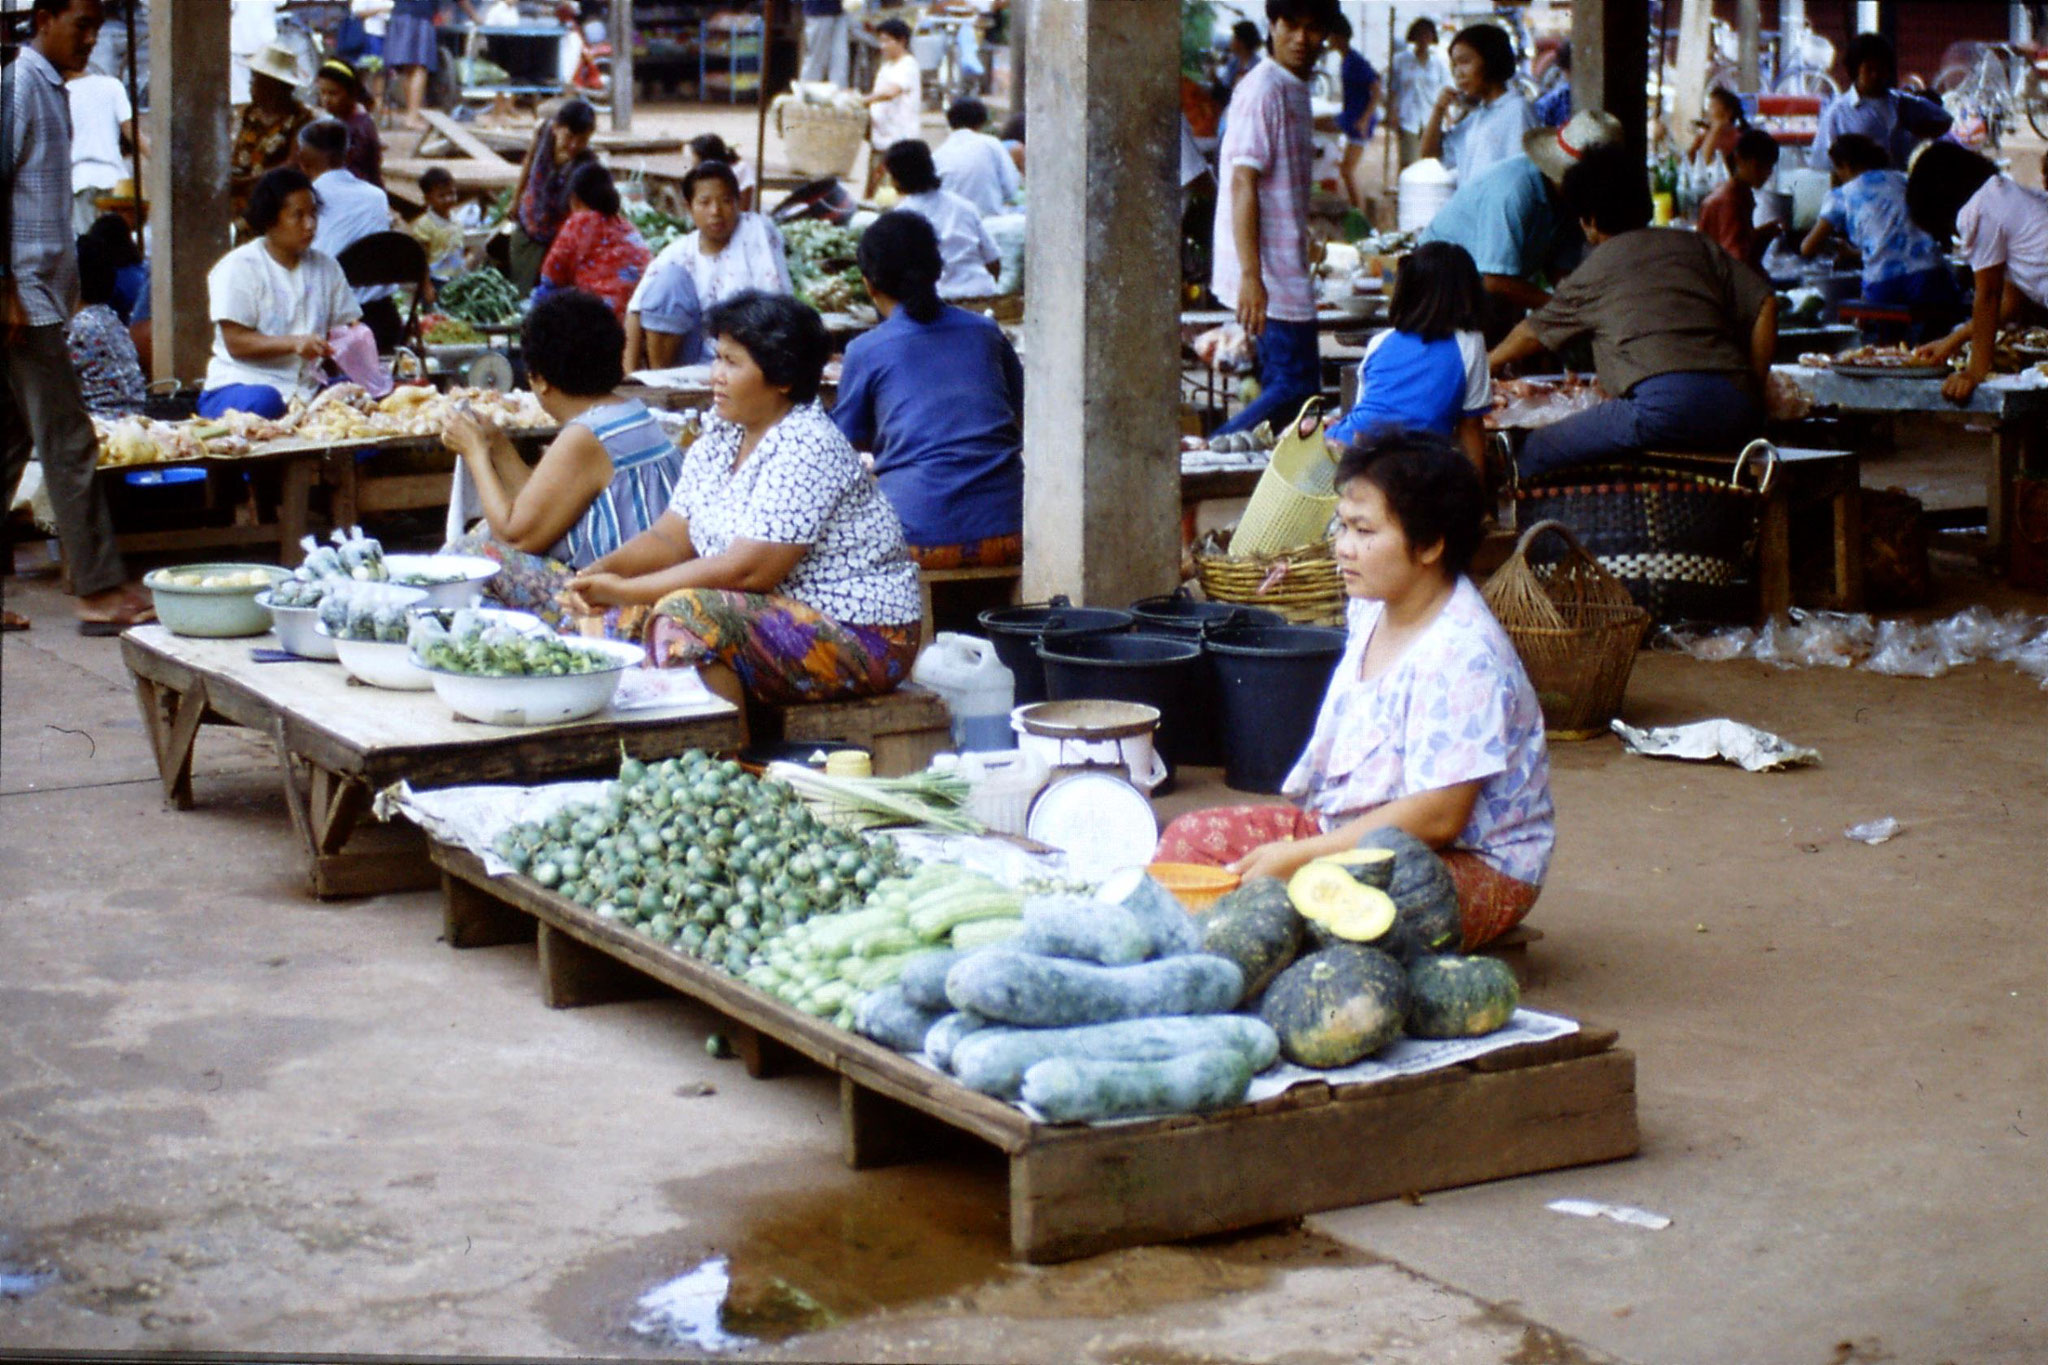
x: 1296, y: 495
x: 1301, y: 583
x: 820, y: 139
x: 1575, y: 627
x: 1683, y: 544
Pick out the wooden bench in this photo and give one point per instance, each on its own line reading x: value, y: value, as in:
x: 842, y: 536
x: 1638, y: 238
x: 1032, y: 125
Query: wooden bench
x: 927, y: 579
x: 902, y: 729
x: 1805, y: 479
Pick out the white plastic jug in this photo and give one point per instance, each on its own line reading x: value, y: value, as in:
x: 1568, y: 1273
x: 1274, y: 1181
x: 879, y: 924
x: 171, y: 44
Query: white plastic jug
x: 1002, y: 786
x: 977, y: 689
x: 1425, y: 187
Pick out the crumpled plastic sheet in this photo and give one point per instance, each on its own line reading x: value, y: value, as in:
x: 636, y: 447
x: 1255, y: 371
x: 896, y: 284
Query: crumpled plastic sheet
x: 1226, y: 348
x: 1751, y: 749
x: 1895, y: 646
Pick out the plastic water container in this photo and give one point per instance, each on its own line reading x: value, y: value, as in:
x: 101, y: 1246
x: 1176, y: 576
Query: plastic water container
x: 1001, y: 785
x: 1425, y: 187
x: 977, y: 689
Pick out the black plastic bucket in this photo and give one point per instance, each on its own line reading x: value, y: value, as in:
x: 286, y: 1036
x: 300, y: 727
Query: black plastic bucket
x: 1174, y: 614
x: 1016, y: 631
x: 1149, y: 669
x: 1271, y: 681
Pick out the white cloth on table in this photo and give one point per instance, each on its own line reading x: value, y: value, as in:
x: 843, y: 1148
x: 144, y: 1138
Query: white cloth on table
x: 251, y: 287
x: 965, y: 247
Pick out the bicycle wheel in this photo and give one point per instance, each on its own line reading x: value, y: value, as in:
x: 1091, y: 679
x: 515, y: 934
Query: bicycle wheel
x: 2035, y: 100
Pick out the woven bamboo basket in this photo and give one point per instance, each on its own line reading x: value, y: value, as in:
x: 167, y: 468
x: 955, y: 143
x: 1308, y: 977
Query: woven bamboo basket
x: 1576, y: 628
x: 818, y: 138
x: 1301, y: 584
x: 1296, y: 495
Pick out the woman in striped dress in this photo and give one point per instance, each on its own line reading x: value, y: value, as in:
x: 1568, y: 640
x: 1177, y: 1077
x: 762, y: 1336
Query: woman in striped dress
x: 607, y: 477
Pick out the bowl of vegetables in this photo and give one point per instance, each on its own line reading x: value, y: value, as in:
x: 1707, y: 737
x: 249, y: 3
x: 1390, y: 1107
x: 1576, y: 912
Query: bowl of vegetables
x: 216, y: 601
x: 502, y: 671
x: 449, y: 580
x: 297, y: 627
x: 367, y: 624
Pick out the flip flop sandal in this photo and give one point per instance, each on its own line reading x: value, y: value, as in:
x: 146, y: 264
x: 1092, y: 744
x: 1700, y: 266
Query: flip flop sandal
x: 13, y: 620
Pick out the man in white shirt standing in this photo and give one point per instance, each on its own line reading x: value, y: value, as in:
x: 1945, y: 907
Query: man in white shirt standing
x: 974, y: 165
x: 350, y: 210
x: 100, y: 117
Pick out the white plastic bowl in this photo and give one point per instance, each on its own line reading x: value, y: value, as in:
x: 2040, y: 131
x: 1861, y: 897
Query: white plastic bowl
x: 537, y: 701
x: 381, y: 664
x: 465, y: 591
x: 298, y: 629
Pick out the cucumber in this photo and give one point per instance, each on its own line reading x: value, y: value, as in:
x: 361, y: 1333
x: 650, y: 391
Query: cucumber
x: 891, y: 1020
x: 1079, y: 1090
x: 1089, y: 930
x: 1044, y: 992
x: 943, y: 1039
x: 994, y: 1060
x: 924, y: 979
x: 1172, y: 928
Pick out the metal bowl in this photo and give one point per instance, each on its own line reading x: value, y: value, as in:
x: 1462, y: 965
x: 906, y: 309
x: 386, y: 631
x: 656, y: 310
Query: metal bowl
x: 546, y: 700
x: 218, y: 612
x: 381, y: 664
x: 442, y: 591
x: 298, y: 629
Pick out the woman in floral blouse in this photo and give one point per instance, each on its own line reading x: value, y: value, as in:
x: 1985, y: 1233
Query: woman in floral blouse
x: 1429, y: 725
x: 598, y: 250
x: 270, y: 122
x: 779, y: 567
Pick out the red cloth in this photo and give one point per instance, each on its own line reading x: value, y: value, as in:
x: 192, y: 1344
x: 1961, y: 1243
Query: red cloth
x: 599, y: 255
x: 1489, y: 902
x: 1726, y: 216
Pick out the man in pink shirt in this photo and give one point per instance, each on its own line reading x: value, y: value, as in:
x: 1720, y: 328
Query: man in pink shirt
x: 1261, y: 249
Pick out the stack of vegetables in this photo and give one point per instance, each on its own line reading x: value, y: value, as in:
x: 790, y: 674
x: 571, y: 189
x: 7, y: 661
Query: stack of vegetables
x: 700, y: 855
x: 824, y: 267
x: 482, y: 646
x: 482, y: 296
x: 352, y: 558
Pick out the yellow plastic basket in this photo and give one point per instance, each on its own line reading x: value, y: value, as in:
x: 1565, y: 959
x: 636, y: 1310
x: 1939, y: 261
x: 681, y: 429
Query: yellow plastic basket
x: 1296, y: 495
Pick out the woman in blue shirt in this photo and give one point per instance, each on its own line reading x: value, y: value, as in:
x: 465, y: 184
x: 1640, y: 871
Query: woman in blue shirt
x: 1429, y: 371
x: 937, y: 394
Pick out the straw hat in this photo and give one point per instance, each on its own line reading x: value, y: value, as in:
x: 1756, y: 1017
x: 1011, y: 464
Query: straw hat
x: 1555, y: 149
x: 279, y: 63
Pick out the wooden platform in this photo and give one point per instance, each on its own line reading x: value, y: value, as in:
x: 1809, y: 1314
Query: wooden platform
x: 339, y: 743
x: 1078, y: 1190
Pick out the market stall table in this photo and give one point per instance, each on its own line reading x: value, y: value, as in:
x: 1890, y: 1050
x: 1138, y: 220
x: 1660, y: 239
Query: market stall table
x: 1076, y: 1190
x: 339, y: 743
x: 296, y: 467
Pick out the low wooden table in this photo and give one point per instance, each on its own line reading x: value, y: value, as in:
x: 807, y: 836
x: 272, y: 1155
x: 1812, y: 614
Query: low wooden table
x: 296, y: 469
x: 339, y: 743
x: 1077, y: 1190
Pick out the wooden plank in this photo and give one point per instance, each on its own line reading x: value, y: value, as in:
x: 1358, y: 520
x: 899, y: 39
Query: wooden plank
x: 1125, y: 1188
x: 761, y: 1054
x: 470, y: 174
x: 401, y: 492
x: 363, y: 872
x: 467, y: 141
x: 174, y: 760
x: 878, y: 1131
x: 574, y: 974
x: 473, y: 918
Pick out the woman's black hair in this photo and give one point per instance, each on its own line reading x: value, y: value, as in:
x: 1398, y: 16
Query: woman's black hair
x: 1247, y: 32
x: 116, y: 239
x: 267, y: 199
x: 1340, y: 29
x: 1495, y: 49
x: 342, y: 74
x: 1855, y: 152
x: 575, y: 342
x: 96, y: 271
x: 1944, y: 176
x: 1756, y: 145
x: 576, y: 117
x: 899, y: 254
x: 1730, y: 101
x: 895, y: 28
x: 709, y: 170
x: 966, y: 112
x: 1436, y: 292
x: 909, y: 164
x: 786, y: 338
x: 712, y: 147
x: 1420, y: 27
x: 1872, y: 47
x: 1430, y: 487
x: 593, y: 185
x: 1318, y: 14
x: 1609, y: 188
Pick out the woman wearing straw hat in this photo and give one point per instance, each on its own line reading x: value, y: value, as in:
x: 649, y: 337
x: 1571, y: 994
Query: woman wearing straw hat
x: 270, y: 121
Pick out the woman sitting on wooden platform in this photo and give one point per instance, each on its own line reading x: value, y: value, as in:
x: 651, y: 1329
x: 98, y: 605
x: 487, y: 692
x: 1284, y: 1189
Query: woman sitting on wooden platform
x: 605, y: 478
x: 1429, y: 725
x: 779, y: 567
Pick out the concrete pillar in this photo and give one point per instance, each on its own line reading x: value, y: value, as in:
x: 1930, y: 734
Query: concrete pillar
x: 187, y: 180
x: 1610, y: 64
x: 1102, y: 279
x: 1749, y: 23
x: 618, y: 31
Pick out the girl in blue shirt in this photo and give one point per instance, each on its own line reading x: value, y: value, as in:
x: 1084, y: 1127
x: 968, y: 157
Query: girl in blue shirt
x: 1429, y: 371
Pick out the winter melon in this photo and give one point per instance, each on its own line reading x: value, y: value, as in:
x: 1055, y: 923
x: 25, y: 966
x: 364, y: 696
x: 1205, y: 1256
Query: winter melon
x: 1338, y: 1005
x: 1460, y: 997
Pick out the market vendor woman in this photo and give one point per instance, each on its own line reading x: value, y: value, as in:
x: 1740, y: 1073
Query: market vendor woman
x: 1429, y: 725
x: 778, y: 567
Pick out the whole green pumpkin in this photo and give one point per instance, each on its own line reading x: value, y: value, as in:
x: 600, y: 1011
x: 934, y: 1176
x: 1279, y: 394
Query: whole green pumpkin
x: 1335, y: 1006
x: 1425, y: 898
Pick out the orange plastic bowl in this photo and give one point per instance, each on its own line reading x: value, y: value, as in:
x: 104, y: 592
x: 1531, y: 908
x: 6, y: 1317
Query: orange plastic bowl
x: 1195, y: 886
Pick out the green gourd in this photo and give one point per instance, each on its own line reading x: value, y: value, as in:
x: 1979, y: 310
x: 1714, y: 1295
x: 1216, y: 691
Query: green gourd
x: 1045, y: 992
x: 1425, y: 898
x: 888, y: 1018
x: 1257, y: 929
x: 1460, y: 997
x: 1078, y: 1090
x: 994, y: 1060
x: 1337, y: 1005
x: 1084, y: 929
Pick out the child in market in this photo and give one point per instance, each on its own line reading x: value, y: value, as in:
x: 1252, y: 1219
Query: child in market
x: 2001, y: 227
x: 1428, y: 372
x: 1902, y: 264
x: 435, y: 228
x: 1728, y: 215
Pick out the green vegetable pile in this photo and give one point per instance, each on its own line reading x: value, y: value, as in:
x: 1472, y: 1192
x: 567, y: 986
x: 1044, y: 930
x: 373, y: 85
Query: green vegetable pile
x: 480, y: 647
x: 933, y: 800
x: 824, y: 270
x: 656, y: 228
x: 700, y: 855
x: 442, y: 330
x: 481, y: 296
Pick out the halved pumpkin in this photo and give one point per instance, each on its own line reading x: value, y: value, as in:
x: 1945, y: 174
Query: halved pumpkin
x: 1328, y: 894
